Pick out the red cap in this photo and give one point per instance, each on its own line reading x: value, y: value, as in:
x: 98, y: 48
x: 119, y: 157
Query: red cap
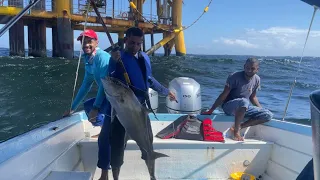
x: 89, y: 33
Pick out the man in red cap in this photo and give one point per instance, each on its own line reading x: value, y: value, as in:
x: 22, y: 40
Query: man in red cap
x: 96, y: 66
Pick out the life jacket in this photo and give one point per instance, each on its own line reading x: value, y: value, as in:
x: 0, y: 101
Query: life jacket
x: 190, y: 128
x: 209, y: 133
x: 145, y: 67
x: 146, y: 71
x: 144, y: 64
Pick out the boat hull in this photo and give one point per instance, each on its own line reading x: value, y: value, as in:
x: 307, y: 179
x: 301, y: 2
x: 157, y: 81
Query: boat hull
x: 276, y: 150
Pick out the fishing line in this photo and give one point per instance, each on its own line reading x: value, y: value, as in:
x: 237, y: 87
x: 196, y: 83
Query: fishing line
x: 295, y: 79
x: 134, y: 6
x: 77, y: 72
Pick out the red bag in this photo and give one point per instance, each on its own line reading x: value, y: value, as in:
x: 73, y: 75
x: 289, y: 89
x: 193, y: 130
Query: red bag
x: 209, y: 133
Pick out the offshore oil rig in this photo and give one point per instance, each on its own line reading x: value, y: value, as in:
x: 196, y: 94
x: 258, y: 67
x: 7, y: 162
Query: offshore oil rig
x: 64, y: 16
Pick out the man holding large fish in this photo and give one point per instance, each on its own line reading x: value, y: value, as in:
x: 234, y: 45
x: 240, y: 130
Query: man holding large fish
x: 126, y: 89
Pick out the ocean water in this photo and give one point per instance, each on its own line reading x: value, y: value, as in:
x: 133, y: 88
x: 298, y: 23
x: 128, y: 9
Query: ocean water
x: 36, y: 91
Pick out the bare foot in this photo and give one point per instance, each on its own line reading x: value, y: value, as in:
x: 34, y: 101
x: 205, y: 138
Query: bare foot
x: 236, y: 134
x: 95, y: 136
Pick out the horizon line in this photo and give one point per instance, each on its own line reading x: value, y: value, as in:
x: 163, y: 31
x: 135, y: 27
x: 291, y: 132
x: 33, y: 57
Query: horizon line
x: 207, y: 54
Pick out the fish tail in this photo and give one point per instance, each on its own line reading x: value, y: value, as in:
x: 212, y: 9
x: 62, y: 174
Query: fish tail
x: 157, y: 155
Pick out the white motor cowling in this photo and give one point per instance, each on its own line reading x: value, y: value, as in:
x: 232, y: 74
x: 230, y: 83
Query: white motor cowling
x: 154, y: 99
x: 188, y: 94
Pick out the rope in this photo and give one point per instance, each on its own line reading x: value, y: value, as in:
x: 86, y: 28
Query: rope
x: 295, y: 79
x: 77, y: 72
x: 204, y: 11
x: 151, y: 11
x: 156, y: 25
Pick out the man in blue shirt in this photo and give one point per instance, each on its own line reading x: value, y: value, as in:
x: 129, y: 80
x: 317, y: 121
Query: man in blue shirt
x: 96, y: 66
x: 137, y: 66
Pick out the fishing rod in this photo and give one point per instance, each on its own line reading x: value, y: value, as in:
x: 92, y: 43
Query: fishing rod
x: 114, y: 47
x: 17, y: 17
x: 93, y: 4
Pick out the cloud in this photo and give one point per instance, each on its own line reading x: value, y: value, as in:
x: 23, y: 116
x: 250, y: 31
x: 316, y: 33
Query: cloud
x: 239, y: 42
x: 274, y: 40
x: 287, y: 32
x: 286, y: 38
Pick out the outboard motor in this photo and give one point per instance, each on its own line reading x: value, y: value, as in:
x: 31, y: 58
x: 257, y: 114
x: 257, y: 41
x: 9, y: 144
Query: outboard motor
x: 315, y: 123
x: 188, y: 94
x: 154, y: 99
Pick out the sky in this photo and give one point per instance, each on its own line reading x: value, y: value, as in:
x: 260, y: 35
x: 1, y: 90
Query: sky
x: 247, y: 27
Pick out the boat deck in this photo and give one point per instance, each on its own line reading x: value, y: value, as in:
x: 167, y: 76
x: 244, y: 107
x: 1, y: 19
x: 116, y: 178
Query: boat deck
x: 192, y: 159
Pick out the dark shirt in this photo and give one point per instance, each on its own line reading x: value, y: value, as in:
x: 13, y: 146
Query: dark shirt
x: 240, y: 87
x: 136, y: 69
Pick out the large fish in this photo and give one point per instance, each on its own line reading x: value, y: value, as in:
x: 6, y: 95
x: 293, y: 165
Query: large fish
x: 134, y: 118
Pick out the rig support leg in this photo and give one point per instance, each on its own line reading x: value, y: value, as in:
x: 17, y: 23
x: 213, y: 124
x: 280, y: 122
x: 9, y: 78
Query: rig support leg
x: 16, y: 33
x: 37, y: 45
x: 177, y: 23
x: 62, y: 34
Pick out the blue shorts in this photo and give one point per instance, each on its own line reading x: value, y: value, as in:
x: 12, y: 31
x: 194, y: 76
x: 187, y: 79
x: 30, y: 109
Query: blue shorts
x: 103, y: 112
x: 253, y: 112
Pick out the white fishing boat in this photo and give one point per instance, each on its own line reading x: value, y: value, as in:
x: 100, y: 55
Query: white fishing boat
x: 277, y: 150
x: 64, y: 149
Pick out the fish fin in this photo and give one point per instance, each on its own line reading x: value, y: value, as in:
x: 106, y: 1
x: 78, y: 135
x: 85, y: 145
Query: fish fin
x: 126, y: 137
x: 113, y: 114
x: 147, y: 110
x: 155, y: 115
x: 157, y: 155
x: 149, y: 106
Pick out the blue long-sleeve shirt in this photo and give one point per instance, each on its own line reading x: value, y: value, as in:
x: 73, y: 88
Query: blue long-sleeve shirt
x: 131, y: 64
x: 155, y: 85
x: 95, y: 69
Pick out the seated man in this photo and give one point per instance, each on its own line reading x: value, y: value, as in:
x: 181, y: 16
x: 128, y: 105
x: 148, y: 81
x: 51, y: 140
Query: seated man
x: 241, y: 89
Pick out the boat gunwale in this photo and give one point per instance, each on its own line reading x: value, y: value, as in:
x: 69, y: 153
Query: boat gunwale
x: 42, y: 133
x: 46, y: 131
x: 219, y: 116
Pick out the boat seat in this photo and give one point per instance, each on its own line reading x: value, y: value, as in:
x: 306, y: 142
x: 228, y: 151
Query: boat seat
x: 162, y: 143
x: 70, y: 175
